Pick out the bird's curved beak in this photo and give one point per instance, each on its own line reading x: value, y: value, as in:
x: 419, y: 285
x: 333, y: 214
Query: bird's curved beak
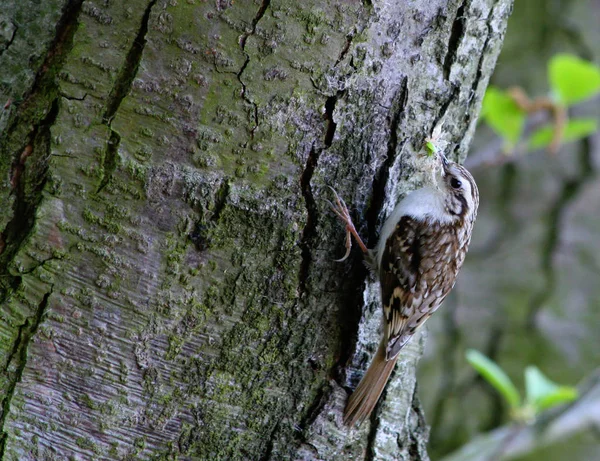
x: 445, y: 162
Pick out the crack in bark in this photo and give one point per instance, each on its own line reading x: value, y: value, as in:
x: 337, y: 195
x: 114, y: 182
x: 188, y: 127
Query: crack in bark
x: 65, y: 30
x: 479, y: 71
x: 416, y: 450
x: 28, y: 184
x: 308, y: 234
x: 313, y: 410
x: 18, y: 354
x: 259, y: 15
x: 129, y: 70
x: 309, y: 231
x: 484, y: 50
x: 374, y: 424
x: 331, y: 125
x: 30, y: 170
x: 345, y: 49
x: 73, y: 98
x: 456, y: 34
x: 444, y: 108
x: 11, y: 40
x: 570, y: 190
x: 109, y: 163
x: 397, y: 111
x: 381, y: 178
x: 117, y: 94
x: 270, y: 443
x: 44, y: 87
x: 28, y: 181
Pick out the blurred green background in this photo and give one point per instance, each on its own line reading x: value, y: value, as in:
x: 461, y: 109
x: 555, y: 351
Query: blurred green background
x: 529, y: 293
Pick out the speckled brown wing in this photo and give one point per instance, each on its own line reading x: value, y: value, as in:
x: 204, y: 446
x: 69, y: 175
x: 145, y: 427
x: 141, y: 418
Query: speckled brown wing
x: 418, y: 269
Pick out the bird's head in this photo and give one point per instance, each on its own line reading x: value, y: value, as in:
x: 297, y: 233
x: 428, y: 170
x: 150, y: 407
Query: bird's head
x: 459, y: 189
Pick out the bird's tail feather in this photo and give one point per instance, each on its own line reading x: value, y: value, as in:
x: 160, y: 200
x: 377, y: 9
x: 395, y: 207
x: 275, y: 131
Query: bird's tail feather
x: 365, y: 397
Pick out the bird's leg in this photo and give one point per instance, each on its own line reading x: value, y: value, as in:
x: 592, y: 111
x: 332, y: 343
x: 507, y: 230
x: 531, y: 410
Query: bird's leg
x: 340, y: 209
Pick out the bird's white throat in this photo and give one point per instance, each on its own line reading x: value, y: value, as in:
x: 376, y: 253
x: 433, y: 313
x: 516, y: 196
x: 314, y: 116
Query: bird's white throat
x: 426, y: 204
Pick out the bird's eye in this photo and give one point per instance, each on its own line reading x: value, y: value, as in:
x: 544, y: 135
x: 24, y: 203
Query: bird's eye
x: 455, y: 183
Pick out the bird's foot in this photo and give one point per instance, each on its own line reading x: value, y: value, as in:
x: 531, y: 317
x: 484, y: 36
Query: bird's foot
x: 341, y: 210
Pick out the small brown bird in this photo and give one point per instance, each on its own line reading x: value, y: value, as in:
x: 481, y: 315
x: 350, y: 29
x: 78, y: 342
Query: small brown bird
x: 422, y: 246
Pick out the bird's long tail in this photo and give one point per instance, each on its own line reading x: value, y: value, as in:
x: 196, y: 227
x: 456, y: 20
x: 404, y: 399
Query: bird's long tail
x: 365, y: 397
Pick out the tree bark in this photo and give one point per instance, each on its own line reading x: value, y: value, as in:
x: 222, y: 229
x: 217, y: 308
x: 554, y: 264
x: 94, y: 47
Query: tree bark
x: 167, y: 283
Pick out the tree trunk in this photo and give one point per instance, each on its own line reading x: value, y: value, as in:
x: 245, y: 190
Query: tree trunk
x: 167, y: 283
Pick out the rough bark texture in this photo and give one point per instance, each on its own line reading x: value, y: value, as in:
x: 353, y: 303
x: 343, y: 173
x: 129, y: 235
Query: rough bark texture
x: 167, y: 284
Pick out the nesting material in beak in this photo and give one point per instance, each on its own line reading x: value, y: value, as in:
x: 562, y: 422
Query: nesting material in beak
x: 445, y: 162
x: 439, y: 171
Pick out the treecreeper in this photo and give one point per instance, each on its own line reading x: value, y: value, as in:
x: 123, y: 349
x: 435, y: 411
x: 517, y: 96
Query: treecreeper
x: 421, y: 248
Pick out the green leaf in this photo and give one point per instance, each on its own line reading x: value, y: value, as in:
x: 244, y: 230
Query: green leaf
x: 573, y: 79
x: 495, y: 376
x: 563, y: 394
x: 431, y: 147
x: 575, y: 130
x: 541, y: 393
x: 503, y: 115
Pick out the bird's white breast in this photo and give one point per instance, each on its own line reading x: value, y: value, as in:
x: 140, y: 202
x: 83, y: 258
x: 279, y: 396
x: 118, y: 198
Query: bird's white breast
x: 426, y: 204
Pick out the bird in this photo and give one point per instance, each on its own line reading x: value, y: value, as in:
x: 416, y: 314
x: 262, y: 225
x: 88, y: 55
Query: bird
x: 421, y: 248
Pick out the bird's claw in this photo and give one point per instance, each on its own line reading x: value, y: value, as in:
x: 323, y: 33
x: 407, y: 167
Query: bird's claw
x: 341, y: 210
x: 348, y: 248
